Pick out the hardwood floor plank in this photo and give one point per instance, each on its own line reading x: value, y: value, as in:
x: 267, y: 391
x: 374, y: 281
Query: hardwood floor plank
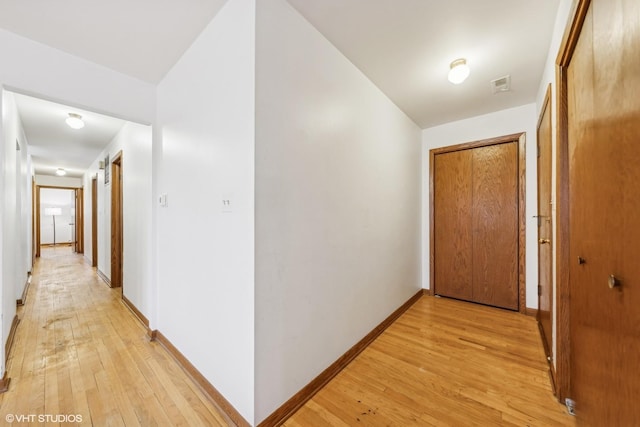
x: 444, y: 362
x: 79, y: 351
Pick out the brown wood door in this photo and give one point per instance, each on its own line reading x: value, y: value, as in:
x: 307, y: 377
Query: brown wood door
x: 476, y: 224
x: 79, y: 220
x: 94, y: 221
x: 453, y: 231
x: 36, y: 216
x: 495, y: 225
x: 604, y: 215
x: 116, y: 221
x: 545, y: 231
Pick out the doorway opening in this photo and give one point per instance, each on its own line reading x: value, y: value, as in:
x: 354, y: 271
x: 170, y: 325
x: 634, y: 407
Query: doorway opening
x: 59, y: 218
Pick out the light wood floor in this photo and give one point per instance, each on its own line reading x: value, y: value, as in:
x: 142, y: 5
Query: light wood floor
x: 444, y: 362
x: 79, y: 350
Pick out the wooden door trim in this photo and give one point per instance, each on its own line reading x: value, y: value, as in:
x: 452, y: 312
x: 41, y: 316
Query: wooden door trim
x: 569, y: 42
x: 116, y: 221
x: 516, y: 137
x: 94, y: 221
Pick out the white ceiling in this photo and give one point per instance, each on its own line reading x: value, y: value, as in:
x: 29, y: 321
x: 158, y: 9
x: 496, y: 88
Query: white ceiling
x: 141, y: 38
x: 404, y: 46
x: 53, y: 144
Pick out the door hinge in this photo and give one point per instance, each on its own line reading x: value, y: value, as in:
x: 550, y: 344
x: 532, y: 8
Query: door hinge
x: 538, y: 150
x: 539, y: 290
x: 571, y: 406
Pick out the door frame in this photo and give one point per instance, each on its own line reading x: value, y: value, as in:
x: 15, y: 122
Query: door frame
x: 563, y: 301
x: 520, y: 139
x: 116, y: 221
x: 79, y: 220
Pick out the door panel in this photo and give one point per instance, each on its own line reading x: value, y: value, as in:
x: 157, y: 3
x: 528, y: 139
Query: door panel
x: 545, y: 229
x: 452, y: 216
x: 495, y: 225
x: 604, y: 172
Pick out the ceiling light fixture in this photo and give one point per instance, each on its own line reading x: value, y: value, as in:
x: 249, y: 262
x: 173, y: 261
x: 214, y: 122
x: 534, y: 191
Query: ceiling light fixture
x: 61, y: 172
x: 459, y: 71
x: 75, y: 121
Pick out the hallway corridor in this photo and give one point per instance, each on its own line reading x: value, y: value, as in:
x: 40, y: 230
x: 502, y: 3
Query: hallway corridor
x: 79, y: 351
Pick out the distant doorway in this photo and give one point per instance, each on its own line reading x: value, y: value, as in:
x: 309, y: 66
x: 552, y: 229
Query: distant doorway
x: 58, y: 213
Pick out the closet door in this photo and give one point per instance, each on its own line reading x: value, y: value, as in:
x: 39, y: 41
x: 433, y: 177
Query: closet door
x: 495, y: 225
x: 452, y: 217
x: 476, y: 224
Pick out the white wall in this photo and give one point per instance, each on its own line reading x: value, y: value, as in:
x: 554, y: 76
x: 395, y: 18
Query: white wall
x: 59, y: 181
x: 15, y: 179
x: 134, y: 141
x: 205, y: 256
x: 514, y: 120
x: 337, y: 205
x: 565, y: 13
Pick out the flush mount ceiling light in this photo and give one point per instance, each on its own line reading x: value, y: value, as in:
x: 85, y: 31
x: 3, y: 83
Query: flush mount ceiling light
x: 459, y: 71
x: 61, y: 172
x: 75, y: 121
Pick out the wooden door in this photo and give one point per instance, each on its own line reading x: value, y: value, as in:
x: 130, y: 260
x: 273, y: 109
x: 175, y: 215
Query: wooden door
x: 477, y: 224
x: 94, y: 221
x: 79, y: 222
x: 603, y: 91
x: 116, y: 221
x: 453, y: 233
x: 36, y: 216
x: 34, y: 251
x: 495, y: 225
x: 545, y: 241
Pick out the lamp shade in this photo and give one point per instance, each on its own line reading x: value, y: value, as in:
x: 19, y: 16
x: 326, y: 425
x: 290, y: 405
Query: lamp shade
x: 459, y: 71
x: 52, y: 211
x: 75, y: 121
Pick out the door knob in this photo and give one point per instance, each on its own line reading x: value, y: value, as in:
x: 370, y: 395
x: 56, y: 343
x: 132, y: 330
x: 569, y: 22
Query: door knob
x: 544, y: 241
x: 613, y: 282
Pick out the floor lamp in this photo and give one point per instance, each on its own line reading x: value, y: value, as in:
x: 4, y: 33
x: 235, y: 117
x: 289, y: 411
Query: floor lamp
x: 53, y: 212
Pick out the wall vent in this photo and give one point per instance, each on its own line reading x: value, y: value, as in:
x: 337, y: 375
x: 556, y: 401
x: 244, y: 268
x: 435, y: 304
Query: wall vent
x: 502, y: 84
